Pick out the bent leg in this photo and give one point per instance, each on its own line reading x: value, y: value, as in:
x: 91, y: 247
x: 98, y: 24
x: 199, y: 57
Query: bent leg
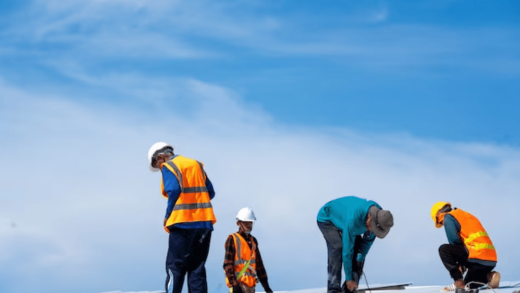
x: 477, y: 273
x: 332, y: 236
x: 452, y: 257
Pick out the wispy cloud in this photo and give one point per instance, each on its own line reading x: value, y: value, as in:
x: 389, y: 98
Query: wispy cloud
x: 82, y: 31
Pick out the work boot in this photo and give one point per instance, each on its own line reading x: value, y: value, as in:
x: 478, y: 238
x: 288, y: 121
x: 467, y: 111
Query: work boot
x: 459, y: 284
x: 493, y: 279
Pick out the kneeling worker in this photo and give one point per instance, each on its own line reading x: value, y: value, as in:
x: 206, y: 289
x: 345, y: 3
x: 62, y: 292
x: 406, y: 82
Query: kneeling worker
x: 342, y: 222
x: 243, y: 262
x: 469, y: 248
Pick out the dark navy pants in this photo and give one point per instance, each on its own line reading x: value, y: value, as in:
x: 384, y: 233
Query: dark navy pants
x: 334, y: 241
x: 187, y: 253
x: 453, y: 256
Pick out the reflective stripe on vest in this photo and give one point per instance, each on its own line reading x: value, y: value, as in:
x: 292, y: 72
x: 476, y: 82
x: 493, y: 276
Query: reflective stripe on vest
x: 484, y: 246
x: 195, y: 189
x: 475, y: 236
x: 177, y: 173
x: 193, y: 203
x: 192, y: 206
x: 237, y: 262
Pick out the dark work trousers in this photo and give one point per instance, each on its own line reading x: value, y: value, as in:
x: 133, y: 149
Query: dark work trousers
x: 453, y: 256
x: 187, y: 253
x: 334, y: 241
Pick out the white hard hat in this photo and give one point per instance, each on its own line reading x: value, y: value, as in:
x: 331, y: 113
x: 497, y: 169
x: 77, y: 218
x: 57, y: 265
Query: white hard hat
x: 155, y: 147
x: 246, y: 215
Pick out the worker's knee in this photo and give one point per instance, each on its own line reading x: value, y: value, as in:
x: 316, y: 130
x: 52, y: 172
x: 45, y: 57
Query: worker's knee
x: 443, y: 248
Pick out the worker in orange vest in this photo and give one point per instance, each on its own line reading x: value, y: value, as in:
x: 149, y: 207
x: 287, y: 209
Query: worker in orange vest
x: 189, y: 217
x: 243, y: 263
x: 470, y: 249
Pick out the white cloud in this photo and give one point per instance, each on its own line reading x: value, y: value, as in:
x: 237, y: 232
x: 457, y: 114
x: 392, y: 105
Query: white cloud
x: 75, y: 182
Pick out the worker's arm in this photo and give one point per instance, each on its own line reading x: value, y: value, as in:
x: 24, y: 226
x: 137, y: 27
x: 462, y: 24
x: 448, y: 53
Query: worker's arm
x: 229, y: 262
x: 208, y: 183
x: 172, y: 187
x: 347, y: 253
x: 209, y: 186
x: 366, y: 242
x: 452, y: 228
x: 260, y: 270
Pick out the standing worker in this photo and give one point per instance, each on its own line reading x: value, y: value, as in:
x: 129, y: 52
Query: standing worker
x: 350, y: 225
x: 469, y: 248
x: 189, y: 217
x: 243, y: 262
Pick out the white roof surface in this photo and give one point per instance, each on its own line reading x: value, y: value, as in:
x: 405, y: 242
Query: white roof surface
x: 505, y: 287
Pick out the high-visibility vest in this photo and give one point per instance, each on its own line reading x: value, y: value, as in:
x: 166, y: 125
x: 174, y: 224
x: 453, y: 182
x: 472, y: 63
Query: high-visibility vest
x: 243, y: 255
x: 473, y: 235
x: 193, y: 204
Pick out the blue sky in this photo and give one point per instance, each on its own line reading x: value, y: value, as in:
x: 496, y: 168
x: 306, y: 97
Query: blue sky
x: 444, y: 69
x: 288, y: 104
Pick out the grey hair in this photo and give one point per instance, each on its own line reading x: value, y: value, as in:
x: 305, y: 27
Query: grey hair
x: 164, y: 151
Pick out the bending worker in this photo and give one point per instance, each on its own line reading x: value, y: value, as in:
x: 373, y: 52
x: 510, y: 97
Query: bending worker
x: 189, y: 217
x: 469, y: 248
x: 243, y: 262
x: 350, y: 225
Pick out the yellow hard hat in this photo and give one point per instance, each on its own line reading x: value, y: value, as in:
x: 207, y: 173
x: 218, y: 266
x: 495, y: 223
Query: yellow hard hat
x: 437, y: 207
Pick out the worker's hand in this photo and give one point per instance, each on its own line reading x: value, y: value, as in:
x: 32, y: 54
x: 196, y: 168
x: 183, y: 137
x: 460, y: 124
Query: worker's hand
x: 268, y: 290
x: 351, y: 285
x: 164, y: 223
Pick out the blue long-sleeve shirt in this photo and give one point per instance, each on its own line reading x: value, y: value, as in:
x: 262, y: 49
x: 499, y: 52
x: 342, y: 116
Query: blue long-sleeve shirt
x: 172, y: 187
x: 452, y: 228
x: 349, y: 215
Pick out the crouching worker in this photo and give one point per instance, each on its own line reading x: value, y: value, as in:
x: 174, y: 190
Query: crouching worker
x: 243, y: 262
x: 469, y: 248
x: 350, y: 225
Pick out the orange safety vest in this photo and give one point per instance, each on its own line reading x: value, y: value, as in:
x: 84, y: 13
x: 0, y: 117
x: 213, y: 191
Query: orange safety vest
x: 193, y: 204
x: 475, y: 238
x: 244, y: 254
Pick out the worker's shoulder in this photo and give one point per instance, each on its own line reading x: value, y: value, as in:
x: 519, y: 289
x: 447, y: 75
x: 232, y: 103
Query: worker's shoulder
x: 230, y: 236
x: 184, y: 158
x: 351, y: 202
x: 449, y: 218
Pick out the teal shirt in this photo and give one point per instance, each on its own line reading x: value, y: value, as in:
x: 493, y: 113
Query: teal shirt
x: 349, y: 215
